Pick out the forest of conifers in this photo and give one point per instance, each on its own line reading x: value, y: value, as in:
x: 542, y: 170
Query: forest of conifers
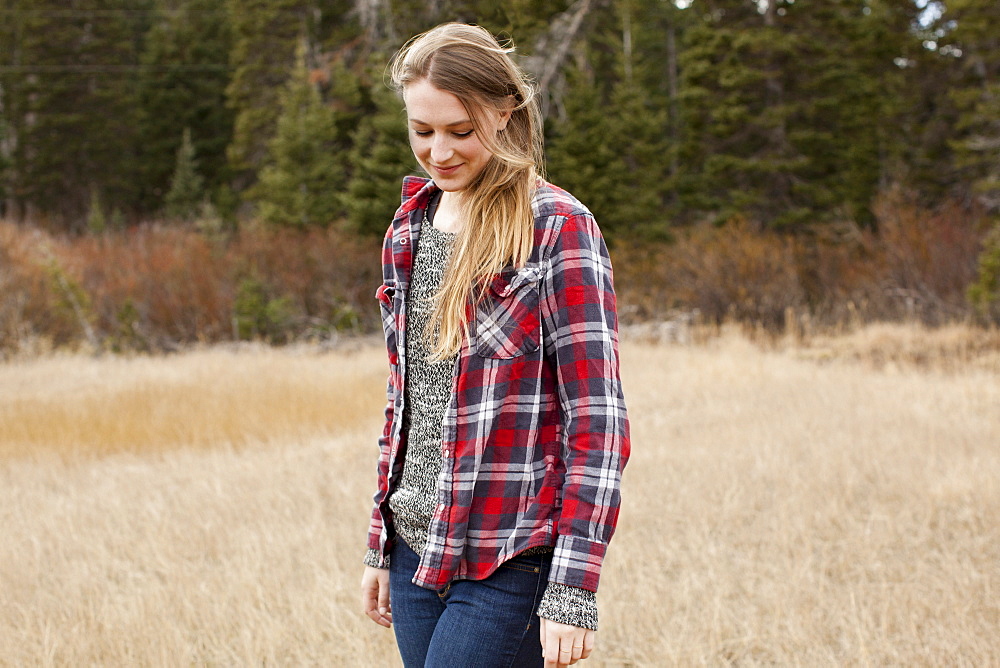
x: 743, y: 157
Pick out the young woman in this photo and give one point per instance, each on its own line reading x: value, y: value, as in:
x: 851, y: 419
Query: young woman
x: 506, y: 431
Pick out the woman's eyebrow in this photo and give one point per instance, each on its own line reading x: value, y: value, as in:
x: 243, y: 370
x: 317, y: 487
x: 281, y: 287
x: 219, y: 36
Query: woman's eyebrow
x: 419, y: 122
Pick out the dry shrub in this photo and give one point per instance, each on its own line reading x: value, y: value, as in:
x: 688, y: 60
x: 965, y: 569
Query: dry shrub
x: 722, y: 273
x: 159, y: 287
x: 329, y: 277
x: 153, y: 286
x: 32, y: 311
x: 915, y: 266
x: 927, y: 259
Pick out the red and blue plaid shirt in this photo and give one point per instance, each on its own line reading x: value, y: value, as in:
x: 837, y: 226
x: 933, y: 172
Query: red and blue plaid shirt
x: 536, y: 434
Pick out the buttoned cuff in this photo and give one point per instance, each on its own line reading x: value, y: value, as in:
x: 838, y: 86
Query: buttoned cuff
x: 576, y: 562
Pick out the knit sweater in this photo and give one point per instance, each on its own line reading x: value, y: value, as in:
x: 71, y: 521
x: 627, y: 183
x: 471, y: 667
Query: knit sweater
x: 414, y: 500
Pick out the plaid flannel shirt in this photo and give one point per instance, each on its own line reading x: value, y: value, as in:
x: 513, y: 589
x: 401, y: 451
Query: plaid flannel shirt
x: 536, y: 434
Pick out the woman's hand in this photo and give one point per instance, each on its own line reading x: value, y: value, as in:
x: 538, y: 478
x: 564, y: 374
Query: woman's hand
x: 563, y: 645
x: 375, y: 595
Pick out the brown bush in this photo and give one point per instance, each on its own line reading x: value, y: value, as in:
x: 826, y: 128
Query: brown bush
x: 158, y: 287
x: 33, y: 308
x: 153, y: 287
x: 916, y: 265
x: 928, y: 258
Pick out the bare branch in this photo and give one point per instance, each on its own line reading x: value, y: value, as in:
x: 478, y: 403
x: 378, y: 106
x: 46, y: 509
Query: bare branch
x: 552, y: 49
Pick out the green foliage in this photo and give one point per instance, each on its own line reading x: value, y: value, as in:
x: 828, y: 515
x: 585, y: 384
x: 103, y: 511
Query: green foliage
x: 72, y: 301
x: 70, y: 102
x: 618, y: 164
x: 984, y: 293
x: 379, y: 159
x: 257, y: 315
x: 128, y: 331
x: 265, y: 36
x: 977, y: 96
x: 182, y: 84
x: 300, y: 185
x: 96, y: 222
x: 186, y: 187
x: 792, y: 115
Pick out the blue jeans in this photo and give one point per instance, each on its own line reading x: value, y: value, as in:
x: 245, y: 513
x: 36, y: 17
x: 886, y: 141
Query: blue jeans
x: 483, y: 623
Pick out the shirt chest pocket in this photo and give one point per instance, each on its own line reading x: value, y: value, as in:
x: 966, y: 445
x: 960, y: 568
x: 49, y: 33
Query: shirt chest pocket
x: 507, y: 318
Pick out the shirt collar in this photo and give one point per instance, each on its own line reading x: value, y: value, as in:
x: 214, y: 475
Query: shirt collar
x: 416, y: 191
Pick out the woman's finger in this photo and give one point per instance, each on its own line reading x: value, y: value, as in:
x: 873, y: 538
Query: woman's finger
x: 589, y: 638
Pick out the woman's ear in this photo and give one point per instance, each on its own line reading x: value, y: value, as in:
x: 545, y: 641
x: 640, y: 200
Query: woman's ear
x: 505, y: 115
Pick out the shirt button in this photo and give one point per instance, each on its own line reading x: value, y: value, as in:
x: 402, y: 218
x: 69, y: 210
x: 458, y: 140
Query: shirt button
x: 447, y: 453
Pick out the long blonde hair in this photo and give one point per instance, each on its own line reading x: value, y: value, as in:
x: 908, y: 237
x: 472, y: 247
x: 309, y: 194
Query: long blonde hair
x: 469, y: 63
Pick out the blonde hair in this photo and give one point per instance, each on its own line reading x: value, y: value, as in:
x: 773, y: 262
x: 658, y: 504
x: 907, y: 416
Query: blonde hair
x: 469, y: 63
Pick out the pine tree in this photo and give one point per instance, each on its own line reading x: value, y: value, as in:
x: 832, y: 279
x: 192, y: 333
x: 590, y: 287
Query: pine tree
x: 73, y: 96
x: 96, y: 221
x: 183, y: 85
x: 612, y: 148
x: 740, y: 158
x: 265, y: 35
x: 186, y: 193
x: 792, y: 110
x: 379, y: 159
x: 975, y: 40
x: 300, y: 186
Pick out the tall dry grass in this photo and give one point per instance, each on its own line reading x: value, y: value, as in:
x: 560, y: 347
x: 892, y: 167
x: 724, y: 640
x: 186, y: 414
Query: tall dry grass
x: 74, y: 405
x: 777, y: 510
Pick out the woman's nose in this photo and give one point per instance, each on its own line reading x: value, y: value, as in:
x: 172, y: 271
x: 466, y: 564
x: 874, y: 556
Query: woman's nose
x: 440, y: 149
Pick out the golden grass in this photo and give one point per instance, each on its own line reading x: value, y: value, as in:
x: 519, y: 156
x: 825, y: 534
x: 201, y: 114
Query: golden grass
x: 893, y: 345
x: 209, y: 398
x: 776, y: 511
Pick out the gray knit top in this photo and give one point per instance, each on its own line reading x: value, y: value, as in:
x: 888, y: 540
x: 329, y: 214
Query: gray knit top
x: 414, y: 499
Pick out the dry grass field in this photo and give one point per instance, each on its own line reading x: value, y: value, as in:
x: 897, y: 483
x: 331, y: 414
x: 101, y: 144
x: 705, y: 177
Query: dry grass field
x: 835, y: 502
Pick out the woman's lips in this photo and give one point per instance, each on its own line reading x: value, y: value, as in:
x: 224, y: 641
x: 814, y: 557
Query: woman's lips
x: 445, y: 170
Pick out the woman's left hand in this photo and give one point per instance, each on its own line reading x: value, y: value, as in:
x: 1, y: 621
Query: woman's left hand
x: 563, y: 645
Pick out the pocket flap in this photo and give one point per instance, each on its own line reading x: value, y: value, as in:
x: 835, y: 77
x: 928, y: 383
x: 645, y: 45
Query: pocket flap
x: 509, y: 280
x: 385, y: 293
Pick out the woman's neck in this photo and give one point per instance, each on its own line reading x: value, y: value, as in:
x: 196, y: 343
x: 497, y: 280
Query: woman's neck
x: 448, y: 217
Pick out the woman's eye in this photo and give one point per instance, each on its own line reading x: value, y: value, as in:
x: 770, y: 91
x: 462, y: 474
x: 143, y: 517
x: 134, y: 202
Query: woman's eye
x: 428, y: 133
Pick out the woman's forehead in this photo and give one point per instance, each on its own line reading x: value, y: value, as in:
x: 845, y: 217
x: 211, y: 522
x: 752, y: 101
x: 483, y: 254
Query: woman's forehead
x: 429, y: 104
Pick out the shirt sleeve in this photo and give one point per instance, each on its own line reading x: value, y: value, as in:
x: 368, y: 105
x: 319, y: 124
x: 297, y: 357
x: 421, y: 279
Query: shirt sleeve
x: 580, y: 326
x: 375, y: 527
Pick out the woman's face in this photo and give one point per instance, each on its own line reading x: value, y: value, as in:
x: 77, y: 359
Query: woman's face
x: 442, y: 136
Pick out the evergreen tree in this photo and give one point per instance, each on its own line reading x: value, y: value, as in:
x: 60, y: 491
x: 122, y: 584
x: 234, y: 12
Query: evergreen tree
x: 984, y: 293
x: 183, y: 85
x: 73, y: 97
x: 975, y: 39
x: 96, y: 221
x: 792, y: 110
x: 300, y: 186
x: 265, y: 35
x: 186, y: 193
x: 927, y: 117
x: 379, y: 159
x: 613, y: 147
x: 739, y: 157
